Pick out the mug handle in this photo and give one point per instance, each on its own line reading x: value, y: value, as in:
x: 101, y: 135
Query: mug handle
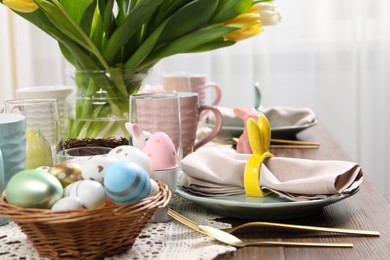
x: 2, y: 180
x: 217, y: 126
x: 218, y: 92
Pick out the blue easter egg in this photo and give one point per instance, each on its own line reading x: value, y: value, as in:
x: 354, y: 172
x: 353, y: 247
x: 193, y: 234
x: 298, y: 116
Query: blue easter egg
x: 126, y: 182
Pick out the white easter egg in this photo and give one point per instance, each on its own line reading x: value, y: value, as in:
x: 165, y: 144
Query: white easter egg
x: 68, y: 203
x: 132, y: 154
x: 154, y: 189
x: 43, y: 168
x: 95, y: 167
x: 91, y: 193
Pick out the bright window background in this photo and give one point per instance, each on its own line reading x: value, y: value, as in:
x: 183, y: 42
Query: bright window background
x: 332, y: 56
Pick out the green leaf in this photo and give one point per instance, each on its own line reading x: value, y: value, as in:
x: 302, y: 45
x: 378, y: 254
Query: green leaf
x: 97, y: 34
x: 228, y: 9
x: 61, y: 19
x: 71, y: 51
x: 166, y: 9
x: 146, y: 47
x: 191, y: 17
x: 125, y: 31
x: 212, y: 46
x: 58, y: 19
x: 77, y: 9
x: 187, y: 43
x: 67, y: 54
x: 109, y: 23
x: 39, y: 19
x: 87, y: 18
x: 123, y: 7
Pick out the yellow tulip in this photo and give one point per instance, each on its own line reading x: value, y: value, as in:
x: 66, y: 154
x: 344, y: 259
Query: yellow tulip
x: 249, y: 24
x: 23, y: 6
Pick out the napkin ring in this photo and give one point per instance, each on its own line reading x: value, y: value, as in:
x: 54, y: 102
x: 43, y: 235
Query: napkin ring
x: 259, y: 134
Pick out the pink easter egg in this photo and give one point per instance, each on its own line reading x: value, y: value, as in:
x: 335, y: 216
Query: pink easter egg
x: 161, y: 151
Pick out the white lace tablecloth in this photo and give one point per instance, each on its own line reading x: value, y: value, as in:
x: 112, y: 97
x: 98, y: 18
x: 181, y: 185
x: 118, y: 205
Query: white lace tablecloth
x: 169, y: 240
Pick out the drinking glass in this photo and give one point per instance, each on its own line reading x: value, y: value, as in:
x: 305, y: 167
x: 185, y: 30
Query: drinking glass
x: 43, y: 128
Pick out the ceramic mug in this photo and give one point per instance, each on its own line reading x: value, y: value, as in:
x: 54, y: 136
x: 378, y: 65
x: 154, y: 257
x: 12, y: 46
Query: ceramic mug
x: 193, y: 83
x: 3, y: 221
x: 12, y: 148
x: 190, y: 111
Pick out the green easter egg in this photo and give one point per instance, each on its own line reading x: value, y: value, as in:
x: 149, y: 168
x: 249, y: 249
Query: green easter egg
x: 33, y: 189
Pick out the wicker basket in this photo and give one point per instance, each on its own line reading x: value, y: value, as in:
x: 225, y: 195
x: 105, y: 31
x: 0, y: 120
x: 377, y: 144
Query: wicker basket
x: 85, y: 234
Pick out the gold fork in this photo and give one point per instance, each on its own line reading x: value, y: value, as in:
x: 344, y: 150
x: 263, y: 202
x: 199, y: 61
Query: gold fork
x: 234, y: 241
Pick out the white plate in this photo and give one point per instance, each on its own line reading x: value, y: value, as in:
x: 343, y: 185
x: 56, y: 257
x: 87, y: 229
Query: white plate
x: 269, y: 208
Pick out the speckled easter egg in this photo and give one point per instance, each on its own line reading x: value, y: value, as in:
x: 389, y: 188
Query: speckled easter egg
x: 91, y: 193
x: 161, y: 151
x: 66, y: 172
x: 95, y: 167
x: 132, y: 154
x: 126, y: 182
x: 34, y: 189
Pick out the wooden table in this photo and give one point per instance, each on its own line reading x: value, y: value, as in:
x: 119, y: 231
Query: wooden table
x: 365, y: 210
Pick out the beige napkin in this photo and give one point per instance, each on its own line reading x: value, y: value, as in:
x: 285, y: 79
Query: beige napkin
x: 218, y: 171
x: 287, y: 116
x: 277, y: 116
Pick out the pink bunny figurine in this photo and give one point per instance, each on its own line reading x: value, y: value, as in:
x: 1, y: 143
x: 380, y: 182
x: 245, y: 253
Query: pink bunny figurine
x: 243, y: 145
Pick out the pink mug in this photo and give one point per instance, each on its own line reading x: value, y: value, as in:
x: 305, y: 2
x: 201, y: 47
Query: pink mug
x: 193, y: 83
x: 176, y: 114
x: 190, y: 111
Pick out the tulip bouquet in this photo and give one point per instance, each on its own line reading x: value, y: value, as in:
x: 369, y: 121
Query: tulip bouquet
x: 113, y: 43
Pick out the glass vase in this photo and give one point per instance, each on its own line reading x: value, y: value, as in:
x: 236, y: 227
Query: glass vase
x: 101, y: 106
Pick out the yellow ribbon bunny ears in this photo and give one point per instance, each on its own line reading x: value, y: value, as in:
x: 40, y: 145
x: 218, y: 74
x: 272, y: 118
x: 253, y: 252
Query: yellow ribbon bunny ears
x: 259, y: 134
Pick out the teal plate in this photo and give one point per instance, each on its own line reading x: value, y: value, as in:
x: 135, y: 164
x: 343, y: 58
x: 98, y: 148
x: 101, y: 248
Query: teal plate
x: 269, y: 208
x: 276, y: 131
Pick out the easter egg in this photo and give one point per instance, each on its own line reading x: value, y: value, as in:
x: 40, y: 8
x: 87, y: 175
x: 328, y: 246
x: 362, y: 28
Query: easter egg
x: 91, y: 193
x: 66, y: 172
x: 132, y: 154
x: 38, y: 150
x: 43, y: 168
x: 154, y: 188
x: 34, y: 189
x: 109, y: 202
x: 95, y: 167
x: 67, y: 203
x: 126, y: 182
x: 161, y: 151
